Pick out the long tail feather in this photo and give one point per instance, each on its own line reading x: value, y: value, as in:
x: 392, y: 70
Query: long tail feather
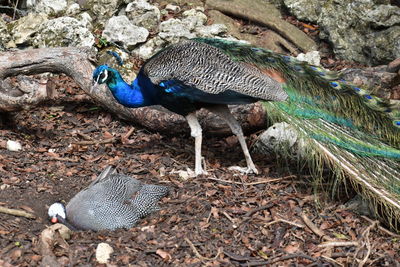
x: 355, y: 133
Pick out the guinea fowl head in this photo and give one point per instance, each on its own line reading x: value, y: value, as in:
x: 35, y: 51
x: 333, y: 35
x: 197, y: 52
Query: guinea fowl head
x: 57, y: 210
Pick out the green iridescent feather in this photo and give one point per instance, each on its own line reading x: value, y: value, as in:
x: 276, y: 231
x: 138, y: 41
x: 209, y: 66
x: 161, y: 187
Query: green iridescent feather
x: 354, y: 133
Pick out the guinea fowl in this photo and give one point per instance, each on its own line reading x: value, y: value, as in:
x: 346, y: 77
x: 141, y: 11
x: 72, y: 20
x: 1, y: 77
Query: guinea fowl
x: 111, y: 201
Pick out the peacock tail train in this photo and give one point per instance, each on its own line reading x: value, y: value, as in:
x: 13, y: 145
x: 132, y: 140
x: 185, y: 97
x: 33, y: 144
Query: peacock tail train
x: 353, y: 132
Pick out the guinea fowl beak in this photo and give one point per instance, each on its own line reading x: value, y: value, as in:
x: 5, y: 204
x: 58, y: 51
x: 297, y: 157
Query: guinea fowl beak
x: 54, y: 220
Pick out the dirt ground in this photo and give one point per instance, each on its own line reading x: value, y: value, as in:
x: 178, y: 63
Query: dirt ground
x: 223, y: 219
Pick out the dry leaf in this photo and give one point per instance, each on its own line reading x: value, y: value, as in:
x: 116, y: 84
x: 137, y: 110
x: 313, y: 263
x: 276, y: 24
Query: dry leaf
x: 163, y: 254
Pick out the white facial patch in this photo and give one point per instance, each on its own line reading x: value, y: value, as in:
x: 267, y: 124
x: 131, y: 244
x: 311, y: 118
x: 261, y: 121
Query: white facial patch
x: 57, y: 209
x: 103, y: 76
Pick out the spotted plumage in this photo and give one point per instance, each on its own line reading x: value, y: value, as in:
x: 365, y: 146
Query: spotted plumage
x: 112, y: 201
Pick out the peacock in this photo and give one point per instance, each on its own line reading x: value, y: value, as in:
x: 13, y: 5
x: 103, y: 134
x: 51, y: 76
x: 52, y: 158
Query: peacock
x: 354, y: 132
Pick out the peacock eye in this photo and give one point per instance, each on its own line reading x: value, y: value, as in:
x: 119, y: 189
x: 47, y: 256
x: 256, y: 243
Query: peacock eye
x: 103, y: 76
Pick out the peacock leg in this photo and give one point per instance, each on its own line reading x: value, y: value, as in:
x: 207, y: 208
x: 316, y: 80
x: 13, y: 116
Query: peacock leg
x: 224, y: 112
x: 195, y: 128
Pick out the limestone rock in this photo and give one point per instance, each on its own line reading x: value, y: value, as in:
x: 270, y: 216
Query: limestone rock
x: 277, y: 136
x: 360, y: 30
x: 24, y: 28
x: 311, y: 57
x: 51, y: 7
x: 103, y: 252
x: 172, y: 8
x: 193, y: 18
x: 211, y: 30
x: 148, y: 49
x: 120, y: 30
x: 4, y: 34
x: 101, y: 9
x: 143, y: 14
x: 73, y: 9
x: 14, y: 145
x: 63, y: 31
x: 85, y: 19
x: 174, y: 30
x: 383, y: 46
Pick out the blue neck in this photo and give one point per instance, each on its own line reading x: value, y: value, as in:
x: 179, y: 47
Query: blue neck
x: 130, y: 96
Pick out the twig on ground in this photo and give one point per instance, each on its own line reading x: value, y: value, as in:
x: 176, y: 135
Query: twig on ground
x: 96, y: 142
x: 198, y: 255
x: 62, y: 159
x: 129, y: 133
x: 253, y: 183
x: 283, y: 258
x: 85, y: 136
x: 233, y: 221
x: 313, y: 227
x: 366, y: 244
x: 332, y: 261
x: 383, y: 229
x: 238, y: 257
x: 339, y: 244
x: 250, y: 213
x: 15, y: 212
x: 284, y: 221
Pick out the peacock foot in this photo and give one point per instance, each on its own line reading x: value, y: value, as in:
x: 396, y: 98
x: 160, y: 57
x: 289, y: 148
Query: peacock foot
x: 244, y: 170
x: 200, y: 171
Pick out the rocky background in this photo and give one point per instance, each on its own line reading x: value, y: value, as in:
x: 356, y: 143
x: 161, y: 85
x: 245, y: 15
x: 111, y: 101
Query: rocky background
x: 363, y: 31
x: 275, y: 218
x: 358, y: 37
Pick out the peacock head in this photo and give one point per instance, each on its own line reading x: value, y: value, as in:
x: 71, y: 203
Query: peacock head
x: 102, y: 74
x: 57, y: 212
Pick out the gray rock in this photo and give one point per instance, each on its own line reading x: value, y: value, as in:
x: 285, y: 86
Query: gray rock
x: 4, y: 34
x: 120, y: 30
x: 280, y: 135
x: 142, y: 14
x: 150, y: 48
x: 193, y: 18
x: 211, y: 30
x: 64, y: 31
x: 354, y: 27
x: 73, y: 9
x: 85, y: 19
x: 174, y: 30
x: 311, y: 57
x: 101, y: 9
x: 51, y: 7
x: 276, y: 135
x: 308, y: 10
x: 383, y: 15
x: 24, y: 28
x: 172, y: 8
x: 383, y: 46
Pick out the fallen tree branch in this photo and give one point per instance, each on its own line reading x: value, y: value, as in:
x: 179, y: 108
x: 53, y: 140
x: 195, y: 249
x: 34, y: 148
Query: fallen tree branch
x: 77, y: 63
x: 15, y: 212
